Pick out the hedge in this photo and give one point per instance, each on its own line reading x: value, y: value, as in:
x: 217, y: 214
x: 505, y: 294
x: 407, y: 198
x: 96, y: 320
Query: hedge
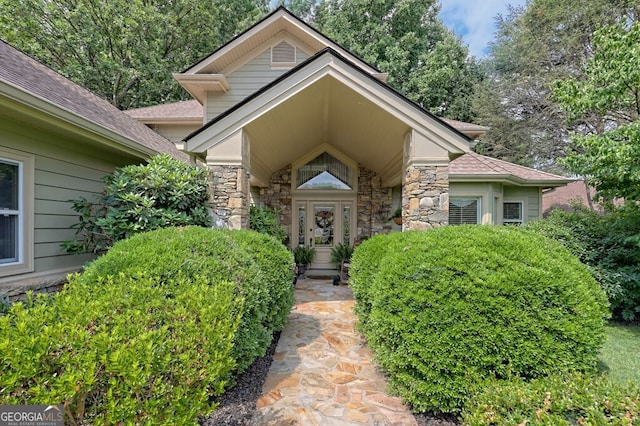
x: 260, y: 267
x: 450, y: 308
x: 555, y: 400
x: 124, y: 350
x: 152, y: 331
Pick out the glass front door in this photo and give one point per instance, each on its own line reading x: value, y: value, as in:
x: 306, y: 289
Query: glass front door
x: 322, y: 225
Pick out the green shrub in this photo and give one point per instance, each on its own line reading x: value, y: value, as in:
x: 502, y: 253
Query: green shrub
x: 123, y: 350
x: 365, y: 263
x: 265, y: 221
x: 454, y: 306
x: 609, y: 244
x: 259, y: 266
x: 555, y: 400
x: 138, y: 198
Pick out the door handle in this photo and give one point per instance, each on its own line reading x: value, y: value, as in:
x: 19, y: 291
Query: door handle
x: 310, y: 241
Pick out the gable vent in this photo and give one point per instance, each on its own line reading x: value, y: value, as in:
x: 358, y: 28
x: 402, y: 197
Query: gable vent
x: 283, y: 53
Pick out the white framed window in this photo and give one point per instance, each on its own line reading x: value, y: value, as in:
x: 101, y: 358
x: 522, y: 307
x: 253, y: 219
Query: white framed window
x: 512, y: 212
x: 16, y: 192
x: 465, y: 211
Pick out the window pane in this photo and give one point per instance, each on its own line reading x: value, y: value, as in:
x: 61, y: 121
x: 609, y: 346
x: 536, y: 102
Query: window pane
x: 323, y: 226
x: 512, y: 211
x: 464, y: 211
x: 8, y: 186
x: 8, y: 238
x: 346, y: 224
x: 301, y: 225
x: 324, y: 172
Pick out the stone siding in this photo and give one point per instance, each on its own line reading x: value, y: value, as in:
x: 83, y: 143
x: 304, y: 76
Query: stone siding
x: 374, y: 205
x: 278, y: 196
x: 425, y: 197
x: 16, y: 291
x: 229, y: 191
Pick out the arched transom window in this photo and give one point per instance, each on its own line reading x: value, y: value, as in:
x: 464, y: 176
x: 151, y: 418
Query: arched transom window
x: 325, y: 172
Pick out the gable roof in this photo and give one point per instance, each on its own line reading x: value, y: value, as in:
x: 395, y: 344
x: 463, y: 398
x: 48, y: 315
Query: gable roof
x: 279, y: 20
x: 28, y: 82
x: 472, y: 167
x: 326, y: 62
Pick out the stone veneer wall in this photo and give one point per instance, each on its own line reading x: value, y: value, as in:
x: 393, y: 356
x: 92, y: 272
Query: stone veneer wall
x: 373, y: 201
x: 425, y: 197
x: 374, y: 205
x: 229, y: 189
x: 278, y: 196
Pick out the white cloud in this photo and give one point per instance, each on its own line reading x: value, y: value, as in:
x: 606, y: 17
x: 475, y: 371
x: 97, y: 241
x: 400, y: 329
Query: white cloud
x: 474, y: 20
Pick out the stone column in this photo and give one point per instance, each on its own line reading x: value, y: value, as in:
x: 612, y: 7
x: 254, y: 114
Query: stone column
x: 228, y: 164
x: 425, y: 196
x: 229, y: 191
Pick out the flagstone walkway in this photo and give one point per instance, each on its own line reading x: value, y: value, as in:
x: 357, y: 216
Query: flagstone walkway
x: 322, y: 372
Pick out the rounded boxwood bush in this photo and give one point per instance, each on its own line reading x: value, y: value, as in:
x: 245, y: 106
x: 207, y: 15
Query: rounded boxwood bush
x: 260, y: 267
x: 454, y: 306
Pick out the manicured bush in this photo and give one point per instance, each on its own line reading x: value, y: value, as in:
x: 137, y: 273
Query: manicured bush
x: 138, y: 198
x: 453, y: 307
x: 608, y: 244
x: 266, y: 221
x: 122, y: 350
x: 574, y: 399
x: 260, y: 267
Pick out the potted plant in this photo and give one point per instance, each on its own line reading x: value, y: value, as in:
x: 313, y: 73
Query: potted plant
x: 397, y: 216
x: 341, y: 256
x: 303, y: 257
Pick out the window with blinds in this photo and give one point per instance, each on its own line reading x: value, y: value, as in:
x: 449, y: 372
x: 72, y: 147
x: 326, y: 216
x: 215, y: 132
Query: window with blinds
x: 283, y: 54
x: 9, y: 211
x: 325, y: 172
x: 512, y: 212
x: 464, y: 210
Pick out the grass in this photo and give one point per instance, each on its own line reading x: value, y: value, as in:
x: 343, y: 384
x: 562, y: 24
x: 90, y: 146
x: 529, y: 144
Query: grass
x: 620, y: 355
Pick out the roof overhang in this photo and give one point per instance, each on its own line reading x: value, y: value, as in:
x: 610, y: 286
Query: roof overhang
x: 199, y: 84
x: 328, y: 100
x: 279, y: 20
x: 37, y: 108
x: 508, y: 179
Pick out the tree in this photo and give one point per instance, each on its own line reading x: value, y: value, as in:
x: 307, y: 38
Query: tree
x: 535, y: 45
x: 425, y: 61
x: 604, y: 107
x: 124, y: 50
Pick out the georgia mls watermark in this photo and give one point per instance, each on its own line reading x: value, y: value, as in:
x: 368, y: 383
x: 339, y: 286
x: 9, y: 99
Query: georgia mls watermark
x: 31, y: 415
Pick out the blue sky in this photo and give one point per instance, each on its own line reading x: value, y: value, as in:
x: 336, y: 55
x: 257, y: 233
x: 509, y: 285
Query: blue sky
x: 473, y: 20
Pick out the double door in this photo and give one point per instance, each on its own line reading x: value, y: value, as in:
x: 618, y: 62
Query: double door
x: 323, y: 224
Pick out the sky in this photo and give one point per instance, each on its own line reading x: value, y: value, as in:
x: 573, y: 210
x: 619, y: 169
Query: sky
x: 473, y: 20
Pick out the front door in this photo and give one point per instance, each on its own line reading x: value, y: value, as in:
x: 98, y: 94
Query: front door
x: 322, y: 225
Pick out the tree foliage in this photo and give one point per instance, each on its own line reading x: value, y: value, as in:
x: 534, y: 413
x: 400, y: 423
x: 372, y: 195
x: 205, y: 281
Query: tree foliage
x: 425, y: 61
x: 536, y: 45
x: 124, y: 50
x: 604, y: 106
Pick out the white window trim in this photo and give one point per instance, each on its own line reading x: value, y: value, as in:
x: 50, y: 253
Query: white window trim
x: 25, y: 214
x: 479, y: 212
x: 512, y: 221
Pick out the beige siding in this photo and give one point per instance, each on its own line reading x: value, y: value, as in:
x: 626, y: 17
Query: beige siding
x: 247, y: 80
x: 531, y: 198
x: 175, y: 132
x: 64, y: 170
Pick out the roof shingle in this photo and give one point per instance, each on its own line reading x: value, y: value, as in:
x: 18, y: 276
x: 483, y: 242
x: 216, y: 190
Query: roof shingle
x: 30, y: 76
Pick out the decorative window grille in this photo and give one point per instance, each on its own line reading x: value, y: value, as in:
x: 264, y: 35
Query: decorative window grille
x: 464, y: 210
x: 512, y: 212
x: 325, y: 172
x: 283, y: 54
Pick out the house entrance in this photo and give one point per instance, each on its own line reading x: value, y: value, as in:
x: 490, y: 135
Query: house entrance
x: 323, y: 224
